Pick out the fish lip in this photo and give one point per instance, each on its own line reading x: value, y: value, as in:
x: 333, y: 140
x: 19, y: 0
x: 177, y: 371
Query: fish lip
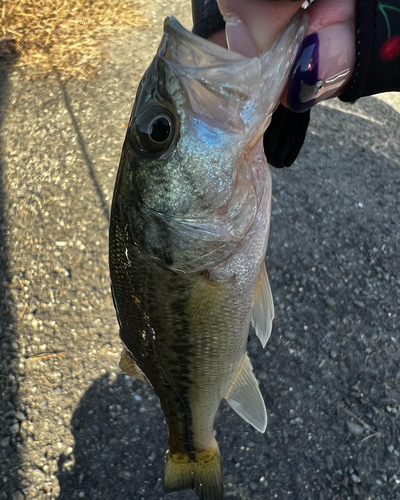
x: 174, y: 27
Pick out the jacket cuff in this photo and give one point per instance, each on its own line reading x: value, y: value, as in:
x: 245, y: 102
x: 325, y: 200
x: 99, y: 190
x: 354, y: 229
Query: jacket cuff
x: 377, y: 67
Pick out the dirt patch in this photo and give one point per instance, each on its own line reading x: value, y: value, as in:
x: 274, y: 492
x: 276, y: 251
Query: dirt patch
x: 66, y: 38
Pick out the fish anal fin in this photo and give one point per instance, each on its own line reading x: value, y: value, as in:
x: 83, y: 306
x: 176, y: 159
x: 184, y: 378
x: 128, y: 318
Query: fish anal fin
x: 262, y: 313
x: 129, y: 367
x: 199, y: 470
x: 245, y: 398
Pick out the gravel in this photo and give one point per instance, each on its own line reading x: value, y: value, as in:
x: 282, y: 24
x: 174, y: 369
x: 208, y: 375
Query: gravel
x: 72, y: 426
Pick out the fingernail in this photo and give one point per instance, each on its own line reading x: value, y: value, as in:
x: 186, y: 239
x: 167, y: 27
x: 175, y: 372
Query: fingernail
x: 238, y: 37
x: 323, y: 66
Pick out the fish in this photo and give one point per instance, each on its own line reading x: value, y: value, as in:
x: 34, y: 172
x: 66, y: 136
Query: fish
x: 188, y: 235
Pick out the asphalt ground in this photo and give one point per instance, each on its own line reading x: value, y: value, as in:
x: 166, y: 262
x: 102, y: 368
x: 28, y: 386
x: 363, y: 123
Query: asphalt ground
x: 72, y: 426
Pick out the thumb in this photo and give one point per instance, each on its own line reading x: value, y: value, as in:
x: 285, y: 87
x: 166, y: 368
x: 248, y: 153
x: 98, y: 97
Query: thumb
x: 325, y: 62
x: 252, y: 25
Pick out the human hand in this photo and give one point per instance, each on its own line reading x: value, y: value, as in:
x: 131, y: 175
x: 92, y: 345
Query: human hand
x: 326, y: 59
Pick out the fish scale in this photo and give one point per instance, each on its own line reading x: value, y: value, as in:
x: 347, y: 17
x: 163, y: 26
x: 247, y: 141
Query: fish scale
x: 188, y: 234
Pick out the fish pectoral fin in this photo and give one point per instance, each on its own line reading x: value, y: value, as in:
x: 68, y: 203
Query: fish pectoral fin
x: 200, y: 471
x: 245, y: 397
x: 128, y: 366
x: 262, y: 313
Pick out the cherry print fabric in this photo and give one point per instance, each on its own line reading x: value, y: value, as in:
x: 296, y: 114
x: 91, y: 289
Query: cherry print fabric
x: 377, y: 66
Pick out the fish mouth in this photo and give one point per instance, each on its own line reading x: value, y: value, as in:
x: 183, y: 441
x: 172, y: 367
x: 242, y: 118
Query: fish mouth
x: 174, y: 29
x: 208, y: 73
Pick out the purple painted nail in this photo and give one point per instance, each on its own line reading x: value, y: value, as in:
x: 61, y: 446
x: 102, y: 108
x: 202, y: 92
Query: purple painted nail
x: 304, y: 82
x: 322, y: 68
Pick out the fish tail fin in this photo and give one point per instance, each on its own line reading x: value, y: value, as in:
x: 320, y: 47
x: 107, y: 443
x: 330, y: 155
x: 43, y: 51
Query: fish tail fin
x: 199, y: 470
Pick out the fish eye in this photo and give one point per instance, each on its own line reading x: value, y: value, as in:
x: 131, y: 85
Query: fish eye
x: 160, y: 129
x: 155, y: 132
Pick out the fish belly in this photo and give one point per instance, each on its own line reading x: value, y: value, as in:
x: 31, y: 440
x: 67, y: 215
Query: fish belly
x: 186, y: 332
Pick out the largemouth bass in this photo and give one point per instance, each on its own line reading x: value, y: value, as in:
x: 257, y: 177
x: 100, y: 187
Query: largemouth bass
x: 188, y: 235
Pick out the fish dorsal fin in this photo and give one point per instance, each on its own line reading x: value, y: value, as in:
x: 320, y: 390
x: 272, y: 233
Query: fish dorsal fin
x: 262, y: 313
x: 129, y: 367
x: 245, y: 398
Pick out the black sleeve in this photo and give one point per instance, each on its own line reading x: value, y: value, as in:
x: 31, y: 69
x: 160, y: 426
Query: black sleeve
x: 207, y: 18
x: 377, y: 67
x: 287, y: 131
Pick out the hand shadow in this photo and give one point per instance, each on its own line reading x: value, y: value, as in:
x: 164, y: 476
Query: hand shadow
x: 119, y: 443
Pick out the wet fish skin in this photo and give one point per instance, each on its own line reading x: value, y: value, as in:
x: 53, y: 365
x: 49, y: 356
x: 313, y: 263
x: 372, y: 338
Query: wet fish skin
x: 188, y: 235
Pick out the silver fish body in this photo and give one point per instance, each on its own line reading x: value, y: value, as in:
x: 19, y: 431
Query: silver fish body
x: 188, y: 235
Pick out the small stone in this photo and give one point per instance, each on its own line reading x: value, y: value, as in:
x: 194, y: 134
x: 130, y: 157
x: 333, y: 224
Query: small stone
x: 253, y: 486
x: 354, y: 428
x: 136, y: 397
x: 18, y: 495
x: 20, y: 416
x: 390, y: 448
x: 39, y: 474
x: 14, y: 428
x: 330, y: 302
x: 355, y: 478
x: 334, y: 354
x: 329, y: 462
x: 5, y: 441
x: 289, y: 335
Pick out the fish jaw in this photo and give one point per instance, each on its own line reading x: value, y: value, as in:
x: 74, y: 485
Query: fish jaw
x: 189, y: 208
x: 190, y: 205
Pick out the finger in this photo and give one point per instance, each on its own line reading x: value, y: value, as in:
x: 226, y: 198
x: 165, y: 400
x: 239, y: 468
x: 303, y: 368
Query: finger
x: 325, y: 61
x: 251, y: 26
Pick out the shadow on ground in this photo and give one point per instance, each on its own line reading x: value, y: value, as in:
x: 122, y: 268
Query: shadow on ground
x: 85, y: 154
x: 9, y: 403
x: 330, y: 372
x: 114, y: 451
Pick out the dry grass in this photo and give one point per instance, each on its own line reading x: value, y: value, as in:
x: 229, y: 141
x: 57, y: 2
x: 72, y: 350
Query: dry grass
x: 62, y: 37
